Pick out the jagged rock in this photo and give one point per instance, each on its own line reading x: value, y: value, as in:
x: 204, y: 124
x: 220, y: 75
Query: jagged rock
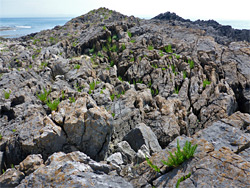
x: 11, y: 178
x: 141, y: 135
x: 71, y: 169
x: 91, y: 128
x: 128, y: 154
x: 30, y: 164
x: 115, y: 158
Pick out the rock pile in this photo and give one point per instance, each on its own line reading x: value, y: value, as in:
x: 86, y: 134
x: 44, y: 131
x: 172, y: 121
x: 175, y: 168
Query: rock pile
x: 83, y: 104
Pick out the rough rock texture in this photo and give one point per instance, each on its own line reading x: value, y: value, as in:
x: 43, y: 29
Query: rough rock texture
x: 127, y: 88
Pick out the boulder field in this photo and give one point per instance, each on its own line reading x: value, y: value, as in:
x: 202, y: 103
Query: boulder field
x: 84, y: 104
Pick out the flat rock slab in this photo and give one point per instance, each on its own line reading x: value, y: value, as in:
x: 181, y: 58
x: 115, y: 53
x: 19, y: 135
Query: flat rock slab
x: 223, y: 135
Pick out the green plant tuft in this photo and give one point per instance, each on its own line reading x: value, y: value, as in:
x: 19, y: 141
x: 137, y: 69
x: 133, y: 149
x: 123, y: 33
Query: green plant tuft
x: 112, y: 97
x: 72, y: 99
x: 7, y: 94
x: 191, y: 64
x: 77, y: 66
x: 182, y: 179
x: 129, y: 34
x: 180, y: 155
x: 53, y: 105
x: 205, y: 83
x: 156, y: 168
x: 43, y: 96
x: 150, y: 47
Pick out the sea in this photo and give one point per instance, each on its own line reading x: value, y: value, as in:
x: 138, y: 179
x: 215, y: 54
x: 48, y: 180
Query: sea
x: 17, y: 27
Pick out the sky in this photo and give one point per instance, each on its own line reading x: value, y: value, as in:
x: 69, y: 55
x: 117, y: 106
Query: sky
x: 188, y: 9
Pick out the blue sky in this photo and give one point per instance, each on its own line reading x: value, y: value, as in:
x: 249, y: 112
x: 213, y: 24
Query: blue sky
x: 189, y: 9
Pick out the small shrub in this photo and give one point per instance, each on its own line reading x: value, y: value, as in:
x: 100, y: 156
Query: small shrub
x: 180, y: 155
x: 113, y: 115
x: 150, y: 47
x: 104, y: 28
x: 63, y: 95
x: 205, y: 83
x: 109, y: 39
x: 77, y: 66
x: 129, y: 34
x: 168, y: 49
x: 161, y: 53
x: 156, y: 168
x: 163, y: 69
x: 13, y: 130
x: 115, y: 37
x: 53, y: 105
x: 112, y: 97
x: 182, y: 179
x: 112, y: 63
x: 43, y: 65
x: 184, y: 75
x: 132, y: 41
x: 100, y: 55
x: 7, y: 94
x: 177, y: 56
x: 191, y: 64
x: 123, y: 47
x: 43, y: 96
x: 91, y: 50
x: 120, y: 78
x: 132, y: 59
x: 72, y: 99
x: 176, y: 90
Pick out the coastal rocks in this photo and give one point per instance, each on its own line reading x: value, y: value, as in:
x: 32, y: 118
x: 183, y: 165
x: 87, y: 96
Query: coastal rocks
x: 91, y: 128
x: 73, y: 169
x: 141, y: 135
x: 121, y: 89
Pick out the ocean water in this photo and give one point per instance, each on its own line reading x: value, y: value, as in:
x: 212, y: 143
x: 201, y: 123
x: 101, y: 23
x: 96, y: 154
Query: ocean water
x: 236, y: 24
x: 17, y: 27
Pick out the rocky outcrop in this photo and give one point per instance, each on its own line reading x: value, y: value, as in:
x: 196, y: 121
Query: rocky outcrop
x: 222, y: 33
x: 84, y: 104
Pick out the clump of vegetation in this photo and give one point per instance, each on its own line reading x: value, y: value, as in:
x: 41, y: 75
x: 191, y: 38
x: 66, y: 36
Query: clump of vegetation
x: 123, y: 47
x: 180, y: 155
x: 112, y: 63
x: 43, y: 96
x: 205, y: 83
x: 132, y: 59
x: 132, y: 41
x: 53, y: 105
x: 155, y: 167
x: 63, y: 95
x: 150, y: 47
x: 43, y: 65
x: 104, y: 27
x: 129, y: 34
x: 1, y: 137
x: 72, y: 99
x: 191, y: 64
x: 168, y: 49
x: 91, y: 87
x: 113, y: 115
x: 112, y: 97
x: 7, y: 94
x: 161, y: 53
x: 176, y: 90
x: 77, y: 66
x: 182, y: 179
x: 184, y: 75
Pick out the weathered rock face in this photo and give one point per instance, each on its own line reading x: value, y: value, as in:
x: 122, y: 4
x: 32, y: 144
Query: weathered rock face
x: 115, y: 89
